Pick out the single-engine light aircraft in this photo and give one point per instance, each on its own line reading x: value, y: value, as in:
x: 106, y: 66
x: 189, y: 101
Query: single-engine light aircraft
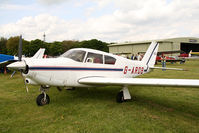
x: 82, y: 67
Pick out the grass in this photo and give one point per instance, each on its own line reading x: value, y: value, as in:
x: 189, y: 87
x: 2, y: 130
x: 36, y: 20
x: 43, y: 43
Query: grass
x: 94, y: 110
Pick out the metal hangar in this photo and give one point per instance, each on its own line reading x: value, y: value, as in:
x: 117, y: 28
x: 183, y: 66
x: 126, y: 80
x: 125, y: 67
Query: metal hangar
x: 173, y: 45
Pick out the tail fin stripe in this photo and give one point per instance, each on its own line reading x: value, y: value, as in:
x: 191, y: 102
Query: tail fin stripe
x: 152, y: 53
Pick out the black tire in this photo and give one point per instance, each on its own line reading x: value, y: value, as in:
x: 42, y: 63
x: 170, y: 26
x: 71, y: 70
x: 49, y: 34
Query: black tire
x: 70, y: 89
x: 40, y: 100
x: 120, y: 97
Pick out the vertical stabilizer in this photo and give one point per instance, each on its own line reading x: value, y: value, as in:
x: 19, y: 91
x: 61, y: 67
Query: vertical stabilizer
x: 39, y: 54
x: 150, y: 55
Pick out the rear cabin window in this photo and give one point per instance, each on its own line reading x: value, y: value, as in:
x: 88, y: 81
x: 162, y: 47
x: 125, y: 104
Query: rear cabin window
x: 94, y: 58
x: 77, y: 55
x: 109, y: 60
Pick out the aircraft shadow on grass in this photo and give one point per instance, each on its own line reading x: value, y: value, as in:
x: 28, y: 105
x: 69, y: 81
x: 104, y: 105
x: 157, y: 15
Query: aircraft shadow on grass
x: 160, y: 104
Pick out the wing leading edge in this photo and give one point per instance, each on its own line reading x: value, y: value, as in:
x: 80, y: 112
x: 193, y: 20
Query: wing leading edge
x: 139, y: 81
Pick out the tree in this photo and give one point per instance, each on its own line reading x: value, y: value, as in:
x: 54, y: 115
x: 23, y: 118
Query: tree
x: 3, y: 42
x: 68, y: 44
x: 56, y: 49
x: 35, y: 45
x: 12, y: 45
x: 95, y: 44
x: 26, y: 45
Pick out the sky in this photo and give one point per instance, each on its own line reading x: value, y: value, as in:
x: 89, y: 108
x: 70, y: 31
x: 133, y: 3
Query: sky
x: 105, y: 20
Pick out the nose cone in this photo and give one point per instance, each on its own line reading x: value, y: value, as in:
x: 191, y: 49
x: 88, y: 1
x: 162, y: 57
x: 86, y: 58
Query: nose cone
x: 19, y: 65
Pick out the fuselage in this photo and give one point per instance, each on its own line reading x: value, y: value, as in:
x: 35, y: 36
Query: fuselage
x: 67, y: 70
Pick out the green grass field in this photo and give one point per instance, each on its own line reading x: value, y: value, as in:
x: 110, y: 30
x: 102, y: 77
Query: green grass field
x: 94, y: 110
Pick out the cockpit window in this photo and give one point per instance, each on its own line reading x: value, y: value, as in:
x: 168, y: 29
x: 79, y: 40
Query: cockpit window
x: 94, y: 58
x: 109, y: 60
x: 77, y: 55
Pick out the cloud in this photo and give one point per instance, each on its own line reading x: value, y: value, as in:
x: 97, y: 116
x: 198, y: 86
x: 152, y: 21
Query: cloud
x: 51, y: 2
x: 30, y: 27
x: 7, y: 6
x: 129, y: 21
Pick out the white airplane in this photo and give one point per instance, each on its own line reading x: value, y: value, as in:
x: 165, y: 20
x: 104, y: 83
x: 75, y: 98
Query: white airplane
x: 83, y: 67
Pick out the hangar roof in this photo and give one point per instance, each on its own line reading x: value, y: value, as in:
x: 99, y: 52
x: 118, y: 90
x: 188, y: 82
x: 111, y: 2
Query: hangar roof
x: 178, y: 39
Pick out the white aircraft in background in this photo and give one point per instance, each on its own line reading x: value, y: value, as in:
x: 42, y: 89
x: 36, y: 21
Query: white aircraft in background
x: 82, y: 67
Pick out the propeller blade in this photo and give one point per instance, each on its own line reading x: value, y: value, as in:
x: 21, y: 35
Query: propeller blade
x: 20, y: 48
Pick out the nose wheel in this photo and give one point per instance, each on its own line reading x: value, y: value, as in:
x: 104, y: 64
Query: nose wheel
x: 43, y: 98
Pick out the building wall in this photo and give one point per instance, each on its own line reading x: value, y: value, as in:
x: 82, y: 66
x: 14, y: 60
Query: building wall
x: 172, y: 44
x: 136, y: 48
x: 167, y: 46
x: 129, y: 49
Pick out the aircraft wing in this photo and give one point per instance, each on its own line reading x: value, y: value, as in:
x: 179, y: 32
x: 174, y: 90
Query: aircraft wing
x: 6, y: 59
x: 139, y: 81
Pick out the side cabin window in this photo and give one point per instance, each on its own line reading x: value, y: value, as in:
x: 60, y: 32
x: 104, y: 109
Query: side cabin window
x: 77, y: 55
x: 94, y: 58
x: 109, y: 60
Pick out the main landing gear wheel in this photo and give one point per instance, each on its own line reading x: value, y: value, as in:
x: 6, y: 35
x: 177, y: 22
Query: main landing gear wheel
x: 120, y: 97
x: 43, y: 99
x: 123, y: 95
x: 70, y: 89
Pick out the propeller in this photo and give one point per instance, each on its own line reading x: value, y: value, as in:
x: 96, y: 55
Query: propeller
x: 20, y: 48
x: 19, y: 53
x: 20, y: 65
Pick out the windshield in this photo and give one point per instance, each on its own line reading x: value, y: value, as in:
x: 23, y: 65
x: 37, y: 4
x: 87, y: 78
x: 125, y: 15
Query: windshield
x: 77, y: 55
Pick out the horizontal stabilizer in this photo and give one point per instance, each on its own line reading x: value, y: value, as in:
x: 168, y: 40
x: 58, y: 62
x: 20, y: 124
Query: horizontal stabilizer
x: 166, y: 68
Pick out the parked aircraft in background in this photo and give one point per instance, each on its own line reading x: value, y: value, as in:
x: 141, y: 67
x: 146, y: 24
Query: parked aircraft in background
x: 180, y: 58
x: 82, y: 67
x: 5, y: 59
x: 172, y: 59
x: 190, y: 55
x: 193, y: 54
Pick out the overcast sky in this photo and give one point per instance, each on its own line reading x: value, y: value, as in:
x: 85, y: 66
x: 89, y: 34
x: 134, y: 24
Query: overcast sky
x: 106, y: 20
